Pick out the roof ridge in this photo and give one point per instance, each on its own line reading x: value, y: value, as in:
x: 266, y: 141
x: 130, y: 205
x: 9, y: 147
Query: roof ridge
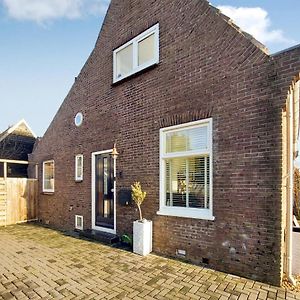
x: 12, y: 128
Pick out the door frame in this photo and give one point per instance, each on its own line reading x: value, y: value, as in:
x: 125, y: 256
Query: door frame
x: 93, y: 173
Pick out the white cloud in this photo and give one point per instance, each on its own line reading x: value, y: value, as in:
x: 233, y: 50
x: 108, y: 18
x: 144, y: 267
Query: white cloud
x: 255, y: 20
x: 46, y: 10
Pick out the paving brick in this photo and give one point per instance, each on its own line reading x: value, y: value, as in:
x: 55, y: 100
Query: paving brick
x: 100, y: 272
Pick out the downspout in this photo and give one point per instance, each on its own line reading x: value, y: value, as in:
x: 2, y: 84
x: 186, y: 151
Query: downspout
x: 290, y: 190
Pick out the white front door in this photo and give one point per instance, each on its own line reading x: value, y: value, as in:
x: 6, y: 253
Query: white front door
x: 103, y: 192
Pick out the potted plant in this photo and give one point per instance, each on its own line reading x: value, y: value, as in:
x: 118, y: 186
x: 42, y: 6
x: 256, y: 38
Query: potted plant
x: 142, y: 228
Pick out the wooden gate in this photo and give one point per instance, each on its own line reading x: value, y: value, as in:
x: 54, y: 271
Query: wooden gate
x: 18, y: 200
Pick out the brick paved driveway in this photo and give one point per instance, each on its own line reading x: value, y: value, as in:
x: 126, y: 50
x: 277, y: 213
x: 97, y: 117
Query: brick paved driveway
x: 39, y: 263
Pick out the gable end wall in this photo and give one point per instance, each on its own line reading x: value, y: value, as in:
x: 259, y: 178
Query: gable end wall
x: 206, y: 69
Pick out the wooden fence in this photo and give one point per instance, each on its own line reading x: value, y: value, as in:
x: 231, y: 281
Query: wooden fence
x: 18, y: 200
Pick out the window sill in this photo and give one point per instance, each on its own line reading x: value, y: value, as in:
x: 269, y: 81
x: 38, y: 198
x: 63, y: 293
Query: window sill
x: 78, y: 229
x: 133, y: 74
x: 78, y: 180
x: 191, y: 213
x: 48, y: 193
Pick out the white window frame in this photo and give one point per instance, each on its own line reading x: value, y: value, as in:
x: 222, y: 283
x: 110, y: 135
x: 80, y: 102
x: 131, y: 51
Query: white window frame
x: 80, y: 116
x: 44, y: 189
x: 76, y: 223
x: 78, y: 178
x: 185, y: 212
x: 134, y: 42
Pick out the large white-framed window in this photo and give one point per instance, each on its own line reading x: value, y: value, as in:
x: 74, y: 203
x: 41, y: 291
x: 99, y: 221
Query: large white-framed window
x: 79, y: 167
x: 186, y: 170
x: 48, y: 176
x: 139, y: 53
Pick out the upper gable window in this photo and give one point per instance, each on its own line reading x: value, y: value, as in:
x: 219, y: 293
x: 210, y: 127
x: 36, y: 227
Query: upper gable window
x: 137, y: 54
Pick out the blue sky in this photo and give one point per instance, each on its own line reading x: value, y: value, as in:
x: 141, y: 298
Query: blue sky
x: 44, y: 44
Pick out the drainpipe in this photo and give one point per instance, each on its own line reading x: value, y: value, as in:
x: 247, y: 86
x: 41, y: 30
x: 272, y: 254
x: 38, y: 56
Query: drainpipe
x: 290, y: 190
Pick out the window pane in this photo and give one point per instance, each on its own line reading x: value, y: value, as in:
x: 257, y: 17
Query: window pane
x: 146, y: 49
x: 187, y: 182
x: 198, y: 182
x: 187, y: 140
x: 79, y: 167
x: 124, y: 61
x: 176, y: 182
x: 49, y: 176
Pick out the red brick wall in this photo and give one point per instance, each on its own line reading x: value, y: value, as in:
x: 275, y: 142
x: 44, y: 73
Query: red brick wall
x: 206, y: 69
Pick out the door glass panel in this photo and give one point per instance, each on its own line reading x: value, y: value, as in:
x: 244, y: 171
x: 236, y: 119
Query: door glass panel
x: 105, y: 175
x: 106, y: 209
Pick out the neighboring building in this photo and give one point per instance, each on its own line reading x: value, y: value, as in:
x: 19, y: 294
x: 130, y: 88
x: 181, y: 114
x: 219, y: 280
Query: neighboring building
x: 201, y: 115
x: 15, y: 144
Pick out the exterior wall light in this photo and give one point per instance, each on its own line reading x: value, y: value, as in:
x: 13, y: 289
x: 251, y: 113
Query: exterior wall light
x: 114, y: 153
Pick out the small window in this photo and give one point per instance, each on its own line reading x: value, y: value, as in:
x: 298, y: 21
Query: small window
x: 136, y: 55
x: 78, y: 222
x: 79, y: 167
x: 48, y: 176
x: 78, y: 119
x: 36, y: 171
x: 186, y: 170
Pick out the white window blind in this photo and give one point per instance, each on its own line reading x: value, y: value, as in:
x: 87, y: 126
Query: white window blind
x: 187, y: 182
x: 186, y: 169
x: 146, y: 50
x: 187, y: 140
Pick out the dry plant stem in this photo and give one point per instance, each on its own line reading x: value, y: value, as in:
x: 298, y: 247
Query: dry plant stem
x: 138, y: 197
x: 140, y: 211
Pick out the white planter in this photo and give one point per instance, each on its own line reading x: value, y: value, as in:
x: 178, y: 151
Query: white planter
x: 142, y: 237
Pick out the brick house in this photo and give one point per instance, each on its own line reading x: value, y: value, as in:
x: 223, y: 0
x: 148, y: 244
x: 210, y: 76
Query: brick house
x: 16, y: 142
x: 199, y: 112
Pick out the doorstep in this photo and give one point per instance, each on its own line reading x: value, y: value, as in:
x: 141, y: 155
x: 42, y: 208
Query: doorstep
x: 103, y: 237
